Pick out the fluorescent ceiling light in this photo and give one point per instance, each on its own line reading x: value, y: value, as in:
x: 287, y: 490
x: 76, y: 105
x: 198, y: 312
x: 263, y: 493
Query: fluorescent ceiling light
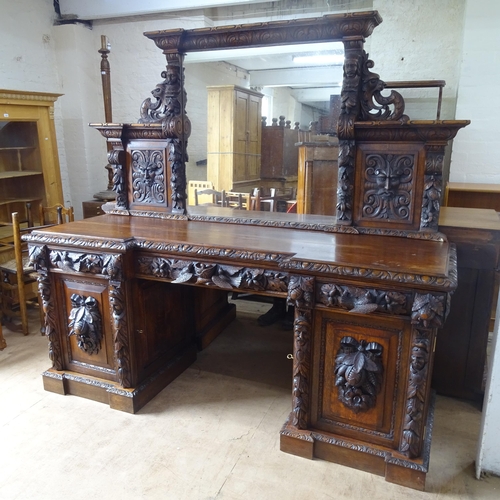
x: 319, y: 59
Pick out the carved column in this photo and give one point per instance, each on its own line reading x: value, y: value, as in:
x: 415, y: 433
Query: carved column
x: 116, y: 158
x: 39, y: 259
x: 349, y: 110
x: 428, y: 314
x: 170, y: 111
x: 433, y: 187
x: 301, y: 296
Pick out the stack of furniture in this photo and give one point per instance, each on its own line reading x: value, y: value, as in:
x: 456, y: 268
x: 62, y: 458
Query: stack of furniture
x: 370, y: 288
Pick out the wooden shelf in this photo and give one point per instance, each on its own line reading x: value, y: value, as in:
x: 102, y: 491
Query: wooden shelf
x: 15, y: 148
x: 30, y: 199
x: 14, y: 173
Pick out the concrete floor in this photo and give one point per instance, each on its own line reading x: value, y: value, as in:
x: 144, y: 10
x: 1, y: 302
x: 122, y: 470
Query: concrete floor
x: 211, y: 434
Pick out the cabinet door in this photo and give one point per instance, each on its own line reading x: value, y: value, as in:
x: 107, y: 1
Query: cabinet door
x: 359, y: 375
x: 254, y: 128
x: 86, y: 326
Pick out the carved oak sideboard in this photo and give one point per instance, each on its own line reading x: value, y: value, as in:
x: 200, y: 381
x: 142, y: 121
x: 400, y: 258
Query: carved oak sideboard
x: 129, y: 296
x: 121, y: 322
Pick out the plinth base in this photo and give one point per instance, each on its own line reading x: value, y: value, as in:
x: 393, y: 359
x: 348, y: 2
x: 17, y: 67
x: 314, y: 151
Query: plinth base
x: 130, y: 400
x: 376, y: 459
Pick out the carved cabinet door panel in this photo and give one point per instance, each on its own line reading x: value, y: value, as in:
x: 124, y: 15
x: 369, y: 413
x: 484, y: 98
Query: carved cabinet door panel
x: 86, y: 326
x: 389, y: 185
x: 360, y: 375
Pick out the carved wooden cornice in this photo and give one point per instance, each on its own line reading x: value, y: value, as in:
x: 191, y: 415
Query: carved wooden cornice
x: 45, y: 98
x: 218, y: 252
x: 97, y: 243
x: 310, y: 226
x: 334, y: 27
x: 440, y: 131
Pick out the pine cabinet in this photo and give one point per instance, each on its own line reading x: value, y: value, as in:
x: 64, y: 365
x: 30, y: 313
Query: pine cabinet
x: 234, y: 137
x: 29, y: 163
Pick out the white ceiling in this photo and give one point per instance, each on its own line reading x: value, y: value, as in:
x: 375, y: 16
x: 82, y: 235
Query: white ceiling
x: 90, y: 10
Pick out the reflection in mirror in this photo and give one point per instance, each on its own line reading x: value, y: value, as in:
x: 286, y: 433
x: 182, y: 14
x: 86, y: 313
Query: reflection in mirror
x: 250, y: 107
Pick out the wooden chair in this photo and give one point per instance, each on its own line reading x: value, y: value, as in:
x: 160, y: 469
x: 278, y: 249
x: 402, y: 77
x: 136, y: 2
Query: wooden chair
x: 269, y: 201
x: 17, y: 277
x: 57, y: 214
x: 193, y: 186
x: 233, y: 199
x: 215, y: 197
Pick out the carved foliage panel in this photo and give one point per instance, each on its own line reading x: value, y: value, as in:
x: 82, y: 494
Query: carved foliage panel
x: 149, y: 175
x: 87, y: 337
x: 360, y: 374
x: 388, y: 188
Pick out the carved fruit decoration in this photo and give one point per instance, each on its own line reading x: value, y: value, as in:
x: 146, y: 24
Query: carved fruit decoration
x: 358, y: 372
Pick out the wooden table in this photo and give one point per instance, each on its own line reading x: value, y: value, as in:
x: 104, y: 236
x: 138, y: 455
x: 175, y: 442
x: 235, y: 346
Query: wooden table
x: 122, y: 324
x: 472, y: 195
x: 461, y: 345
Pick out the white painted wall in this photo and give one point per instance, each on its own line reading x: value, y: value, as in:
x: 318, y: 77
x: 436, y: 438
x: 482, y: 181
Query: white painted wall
x: 28, y: 59
x: 475, y: 154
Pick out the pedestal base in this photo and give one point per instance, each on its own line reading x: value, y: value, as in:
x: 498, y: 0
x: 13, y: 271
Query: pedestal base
x: 129, y: 400
x: 394, y: 466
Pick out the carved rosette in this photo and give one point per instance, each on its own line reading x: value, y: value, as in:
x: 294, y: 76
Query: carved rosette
x: 221, y: 276
x: 148, y: 176
x: 428, y: 310
x: 301, y: 292
x: 388, y: 181
x: 364, y: 300
x: 85, y: 322
x: 413, y: 425
x: 38, y: 257
x: 48, y: 305
x: 120, y: 333
x: 358, y: 373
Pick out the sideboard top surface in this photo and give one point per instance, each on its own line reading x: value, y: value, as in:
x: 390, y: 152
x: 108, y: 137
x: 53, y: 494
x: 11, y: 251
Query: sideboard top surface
x: 301, y: 249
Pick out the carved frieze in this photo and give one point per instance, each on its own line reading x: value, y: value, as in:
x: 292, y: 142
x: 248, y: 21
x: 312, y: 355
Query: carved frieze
x: 388, y: 186
x: 428, y: 310
x: 107, y: 264
x: 148, y: 176
x: 358, y: 372
x: 413, y: 425
x: 210, y: 274
x: 326, y: 28
x: 85, y: 322
x: 364, y: 300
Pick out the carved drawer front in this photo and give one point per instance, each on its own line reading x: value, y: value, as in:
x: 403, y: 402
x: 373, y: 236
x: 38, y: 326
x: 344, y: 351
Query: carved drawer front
x: 389, y: 185
x: 359, y: 375
x: 85, y: 327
